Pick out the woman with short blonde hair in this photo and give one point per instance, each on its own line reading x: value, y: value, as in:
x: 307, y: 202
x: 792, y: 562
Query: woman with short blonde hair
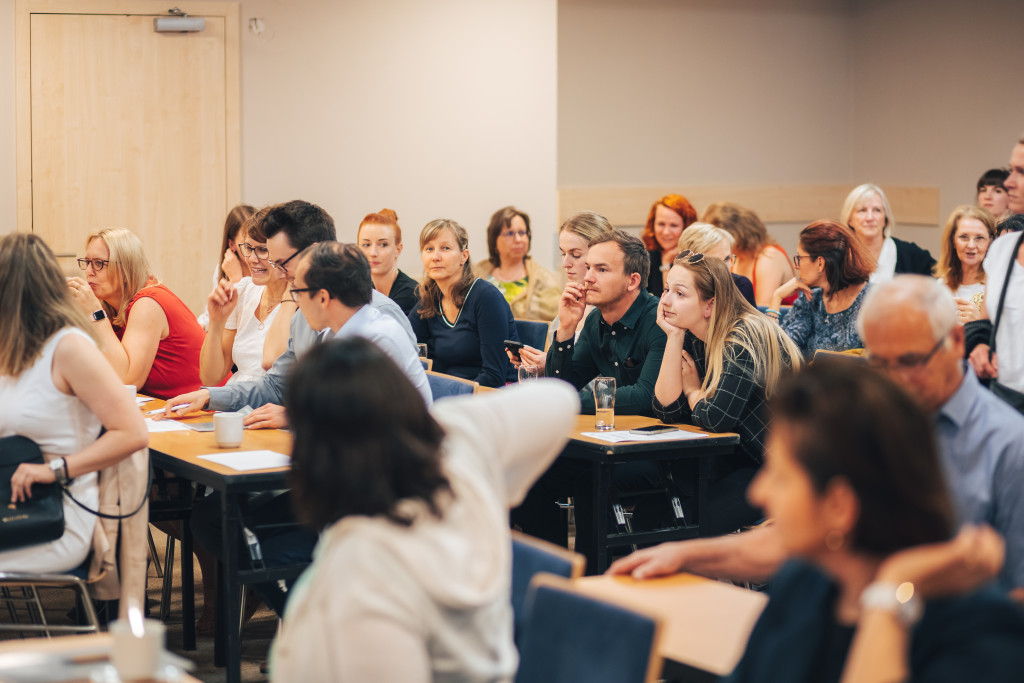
x: 707, y: 239
x: 867, y: 212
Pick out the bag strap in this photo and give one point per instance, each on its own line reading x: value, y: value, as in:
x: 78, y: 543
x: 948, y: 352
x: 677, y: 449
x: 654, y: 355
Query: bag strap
x: 145, y: 497
x: 1002, y: 295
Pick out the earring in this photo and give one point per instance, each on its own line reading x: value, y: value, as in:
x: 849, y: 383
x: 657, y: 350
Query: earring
x: 834, y: 540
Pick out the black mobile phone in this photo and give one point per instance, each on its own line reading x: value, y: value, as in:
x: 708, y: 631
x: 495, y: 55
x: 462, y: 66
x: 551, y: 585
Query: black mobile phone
x: 654, y: 429
x: 513, y: 347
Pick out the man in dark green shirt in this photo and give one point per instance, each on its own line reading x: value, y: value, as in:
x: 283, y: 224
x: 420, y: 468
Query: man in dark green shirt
x: 622, y: 338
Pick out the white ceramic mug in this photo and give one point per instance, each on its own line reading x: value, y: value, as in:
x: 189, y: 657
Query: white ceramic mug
x: 227, y: 429
x: 135, y: 658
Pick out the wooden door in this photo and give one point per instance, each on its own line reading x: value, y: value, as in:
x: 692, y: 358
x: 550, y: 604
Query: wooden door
x: 130, y: 128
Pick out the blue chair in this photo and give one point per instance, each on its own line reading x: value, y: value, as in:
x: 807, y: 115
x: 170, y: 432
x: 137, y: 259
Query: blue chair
x: 570, y: 637
x: 532, y: 333
x: 442, y: 385
x: 531, y: 556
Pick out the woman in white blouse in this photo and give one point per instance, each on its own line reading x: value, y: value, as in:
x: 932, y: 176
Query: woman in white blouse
x: 965, y: 240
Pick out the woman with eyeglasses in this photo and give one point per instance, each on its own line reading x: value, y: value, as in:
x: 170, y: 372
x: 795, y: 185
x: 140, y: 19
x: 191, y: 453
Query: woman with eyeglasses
x: 380, y: 239
x: 242, y: 315
x: 666, y: 221
x: 714, y: 242
x: 833, y: 267
x: 723, y: 360
x: 965, y: 240
x: 758, y: 256
x: 531, y: 290
x: 146, y: 332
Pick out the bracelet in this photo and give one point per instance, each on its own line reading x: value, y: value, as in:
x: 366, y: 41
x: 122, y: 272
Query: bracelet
x: 772, y: 311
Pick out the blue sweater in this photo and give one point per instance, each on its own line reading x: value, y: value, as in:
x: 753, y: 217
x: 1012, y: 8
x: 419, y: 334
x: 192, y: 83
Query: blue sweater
x: 473, y: 347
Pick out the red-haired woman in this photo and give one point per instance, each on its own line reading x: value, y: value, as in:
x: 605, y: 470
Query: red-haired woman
x: 380, y: 240
x: 668, y: 217
x: 833, y: 268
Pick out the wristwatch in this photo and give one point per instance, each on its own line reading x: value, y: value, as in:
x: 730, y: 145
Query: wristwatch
x: 60, y: 471
x: 98, y: 315
x: 900, y: 600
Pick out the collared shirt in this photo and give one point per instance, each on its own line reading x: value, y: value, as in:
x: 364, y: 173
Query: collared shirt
x: 981, y: 444
x: 629, y: 350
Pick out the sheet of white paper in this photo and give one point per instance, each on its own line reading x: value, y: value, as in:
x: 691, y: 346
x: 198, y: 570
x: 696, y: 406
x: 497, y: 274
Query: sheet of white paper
x: 624, y: 435
x: 142, y: 400
x: 165, y: 426
x: 244, y: 461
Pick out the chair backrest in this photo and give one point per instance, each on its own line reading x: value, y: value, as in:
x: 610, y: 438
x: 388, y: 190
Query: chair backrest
x: 442, y: 385
x: 532, y: 333
x: 570, y: 637
x: 428, y: 363
x: 531, y: 556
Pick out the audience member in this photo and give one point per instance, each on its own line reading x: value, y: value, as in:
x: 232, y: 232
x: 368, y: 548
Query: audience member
x: 722, y: 361
x: 530, y: 289
x: 463, y: 320
x: 965, y: 239
x: 232, y: 265
x: 867, y: 212
x: 1004, y: 303
x: 992, y: 193
x: 758, y: 256
x: 832, y: 268
x: 412, y: 574
x: 146, y: 332
x: 240, y: 316
x: 380, y: 239
x: 1012, y: 223
x: 334, y: 291
x: 878, y: 587
x: 910, y: 331
x: 668, y: 217
x: 573, y: 242
x: 57, y: 389
x: 714, y: 242
x: 289, y: 228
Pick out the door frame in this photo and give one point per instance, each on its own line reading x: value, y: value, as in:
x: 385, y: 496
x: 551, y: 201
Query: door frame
x: 23, y: 11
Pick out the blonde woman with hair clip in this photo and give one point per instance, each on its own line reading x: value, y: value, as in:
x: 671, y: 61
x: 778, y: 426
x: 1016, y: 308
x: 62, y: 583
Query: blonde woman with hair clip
x: 723, y: 360
x: 714, y: 242
x: 146, y: 332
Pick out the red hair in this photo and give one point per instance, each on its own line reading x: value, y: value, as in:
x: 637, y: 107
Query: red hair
x: 382, y: 217
x: 676, y: 202
x: 847, y: 260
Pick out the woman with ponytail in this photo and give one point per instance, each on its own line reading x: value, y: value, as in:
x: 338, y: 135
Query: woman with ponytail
x: 832, y: 271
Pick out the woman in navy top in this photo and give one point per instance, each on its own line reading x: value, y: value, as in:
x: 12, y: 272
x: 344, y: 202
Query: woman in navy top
x: 464, y: 321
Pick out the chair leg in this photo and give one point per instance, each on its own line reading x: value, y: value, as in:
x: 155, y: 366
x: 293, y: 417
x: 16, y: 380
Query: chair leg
x: 165, y: 596
x: 153, y: 556
x: 35, y: 608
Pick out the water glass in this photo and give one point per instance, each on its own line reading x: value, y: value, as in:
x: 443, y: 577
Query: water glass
x: 604, y: 403
x: 527, y: 372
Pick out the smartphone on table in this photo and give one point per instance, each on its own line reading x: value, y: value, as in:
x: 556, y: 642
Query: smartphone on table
x: 654, y: 429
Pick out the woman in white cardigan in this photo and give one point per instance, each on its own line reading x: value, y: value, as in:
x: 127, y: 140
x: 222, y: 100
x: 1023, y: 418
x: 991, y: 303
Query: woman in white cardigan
x: 410, y: 580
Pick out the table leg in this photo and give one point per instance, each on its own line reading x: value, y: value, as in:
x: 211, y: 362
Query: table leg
x: 188, y: 590
x: 601, y: 478
x: 703, y: 479
x: 228, y: 597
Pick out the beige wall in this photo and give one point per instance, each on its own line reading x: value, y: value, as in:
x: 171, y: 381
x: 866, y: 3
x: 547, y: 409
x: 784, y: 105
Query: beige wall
x: 8, y: 210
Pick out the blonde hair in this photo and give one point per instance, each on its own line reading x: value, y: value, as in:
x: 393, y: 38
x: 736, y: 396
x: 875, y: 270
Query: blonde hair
x: 128, y: 264
x: 703, y: 237
x: 587, y: 224
x: 861, y: 194
x: 428, y: 291
x: 35, y: 302
x: 734, y: 321
x: 949, y: 269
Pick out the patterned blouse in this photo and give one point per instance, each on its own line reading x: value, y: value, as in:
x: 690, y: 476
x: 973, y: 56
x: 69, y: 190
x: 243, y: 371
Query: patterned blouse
x: 811, y: 327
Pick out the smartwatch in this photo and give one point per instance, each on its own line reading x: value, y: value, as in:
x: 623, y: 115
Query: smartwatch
x: 98, y: 315
x: 900, y: 600
x: 60, y: 471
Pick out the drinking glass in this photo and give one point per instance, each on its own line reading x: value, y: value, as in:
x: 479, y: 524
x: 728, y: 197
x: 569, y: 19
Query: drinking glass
x: 604, y: 403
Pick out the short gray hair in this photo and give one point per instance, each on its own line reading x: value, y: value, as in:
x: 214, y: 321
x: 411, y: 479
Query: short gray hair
x: 927, y: 294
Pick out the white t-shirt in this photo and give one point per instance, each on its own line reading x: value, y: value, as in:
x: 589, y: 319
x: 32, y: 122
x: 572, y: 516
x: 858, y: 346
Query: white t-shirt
x: 885, y: 270
x: 1009, y: 349
x: 250, y: 333
x: 969, y: 292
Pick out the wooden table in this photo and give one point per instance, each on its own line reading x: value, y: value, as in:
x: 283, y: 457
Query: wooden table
x: 705, y: 623
x: 602, y: 455
x: 71, y: 655
x: 178, y: 453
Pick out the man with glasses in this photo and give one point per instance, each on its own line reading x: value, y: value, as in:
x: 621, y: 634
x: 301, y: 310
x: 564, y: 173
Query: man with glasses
x: 290, y: 228
x: 910, y: 332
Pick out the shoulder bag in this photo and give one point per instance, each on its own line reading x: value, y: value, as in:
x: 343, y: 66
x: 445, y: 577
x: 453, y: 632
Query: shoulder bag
x: 39, y: 519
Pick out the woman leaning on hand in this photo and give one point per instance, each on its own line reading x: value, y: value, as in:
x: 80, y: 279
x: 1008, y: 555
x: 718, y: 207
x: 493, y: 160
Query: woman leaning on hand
x: 57, y: 390
x: 144, y: 330
x: 879, y: 588
x: 722, y: 361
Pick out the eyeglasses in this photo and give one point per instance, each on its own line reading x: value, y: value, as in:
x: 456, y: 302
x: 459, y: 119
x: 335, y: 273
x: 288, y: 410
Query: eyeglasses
x: 730, y: 259
x: 297, y: 290
x: 282, y: 265
x: 96, y: 263
x: 690, y: 257
x: 971, y: 239
x: 262, y: 253
x: 521, y: 234
x: 798, y: 258
x: 909, y: 361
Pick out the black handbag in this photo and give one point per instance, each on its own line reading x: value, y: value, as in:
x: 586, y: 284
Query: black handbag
x: 1011, y: 396
x: 40, y: 519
